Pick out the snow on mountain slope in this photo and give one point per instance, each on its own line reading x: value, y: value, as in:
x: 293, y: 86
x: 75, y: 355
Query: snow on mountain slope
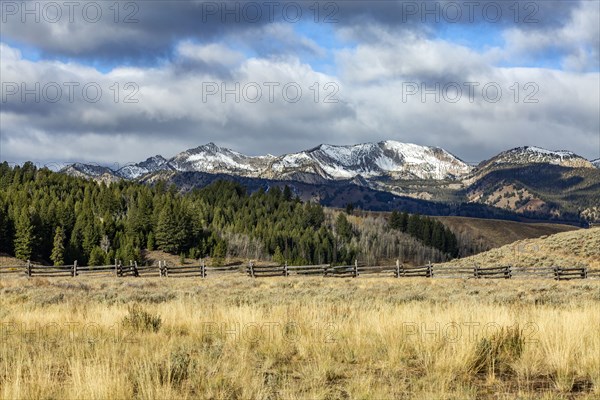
x: 152, y: 164
x: 386, y: 159
x: 86, y: 170
x: 373, y: 159
x: 215, y: 159
x: 596, y: 163
x: 533, y: 155
x: 369, y: 160
x: 97, y: 173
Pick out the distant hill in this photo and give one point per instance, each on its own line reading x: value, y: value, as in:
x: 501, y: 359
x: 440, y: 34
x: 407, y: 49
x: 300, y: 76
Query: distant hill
x: 580, y: 247
x: 477, y: 234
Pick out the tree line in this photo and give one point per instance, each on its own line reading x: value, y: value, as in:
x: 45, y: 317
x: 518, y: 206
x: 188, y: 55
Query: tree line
x: 428, y: 230
x: 56, y: 218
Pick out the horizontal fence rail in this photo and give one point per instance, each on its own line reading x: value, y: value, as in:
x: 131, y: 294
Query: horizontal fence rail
x: 399, y: 270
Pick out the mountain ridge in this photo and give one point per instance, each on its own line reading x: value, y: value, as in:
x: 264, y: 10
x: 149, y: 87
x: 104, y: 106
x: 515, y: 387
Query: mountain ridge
x: 365, y: 160
x: 332, y: 162
x: 530, y: 181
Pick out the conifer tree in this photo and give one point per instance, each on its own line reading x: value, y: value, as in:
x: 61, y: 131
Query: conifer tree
x: 24, y: 236
x: 395, y: 220
x: 5, y: 230
x: 97, y: 256
x: 151, y: 241
x: 343, y: 228
x: 167, y: 231
x: 278, y: 256
x: 58, y: 248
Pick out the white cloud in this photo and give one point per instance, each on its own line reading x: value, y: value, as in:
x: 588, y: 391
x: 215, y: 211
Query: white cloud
x: 578, y: 40
x: 391, y: 55
x: 212, y: 53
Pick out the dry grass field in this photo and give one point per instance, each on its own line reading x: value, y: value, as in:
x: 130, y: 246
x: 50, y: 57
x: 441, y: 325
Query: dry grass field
x: 298, y: 337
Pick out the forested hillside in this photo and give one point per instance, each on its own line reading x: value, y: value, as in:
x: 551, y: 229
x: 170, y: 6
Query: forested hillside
x: 55, y: 218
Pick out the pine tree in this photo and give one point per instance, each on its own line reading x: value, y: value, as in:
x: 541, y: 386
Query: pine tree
x: 58, y: 248
x: 395, y: 221
x: 5, y: 230
x: 167, y: 231
x: 151, y: 241
x: 287, y: 193
x: 97, y: 257
x: 278, y: 256
x: 414, y: 226
x: 24, y: 236
x: 350, y: 208
x: 343, y: 227
x: 404, y: 221
x: 219, y: 252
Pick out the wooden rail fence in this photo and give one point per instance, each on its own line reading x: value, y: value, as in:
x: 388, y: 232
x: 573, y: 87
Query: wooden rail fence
x: 201, y: 270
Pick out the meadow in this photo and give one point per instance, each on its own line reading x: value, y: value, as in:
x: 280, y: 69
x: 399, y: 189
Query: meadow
x: 299, y: 337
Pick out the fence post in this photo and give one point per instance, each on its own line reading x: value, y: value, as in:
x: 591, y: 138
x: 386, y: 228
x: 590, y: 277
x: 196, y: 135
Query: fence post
x: 556, y: 273
x: 160, y: 271
x: 202, y: 268
x: 584, y: 273
x: 397, y: 272
x: 355, y: 271
x: 74, y: 271
x: 476, y: 271
x: 508, y: 272
x: 116, y: 267
x: 165, y: 269
x: 429, y: 270
x: 28, y: 268
x: 285, y: 269
x: 135, y: 269
x: 252, y: 269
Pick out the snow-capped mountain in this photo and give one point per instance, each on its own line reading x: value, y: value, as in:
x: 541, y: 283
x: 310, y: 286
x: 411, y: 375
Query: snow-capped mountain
x: 330, y: 162
x: 152, y: 164
x: 536, y: 155
x: 214, y: 159
x: 399, y: 160
x: 377, y: 163
x: 596, y: 163
x: 87, y: 170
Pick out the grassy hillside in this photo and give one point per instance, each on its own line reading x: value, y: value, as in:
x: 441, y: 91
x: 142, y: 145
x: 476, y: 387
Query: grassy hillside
x: 580, y: 247
x: 476, y: 234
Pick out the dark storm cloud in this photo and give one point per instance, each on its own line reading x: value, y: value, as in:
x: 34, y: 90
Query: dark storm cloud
x: 142, y: 31
x: 411, y: 14
x: 147, y: 31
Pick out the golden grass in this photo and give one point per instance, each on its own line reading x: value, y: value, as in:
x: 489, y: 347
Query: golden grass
x: 580, y: 247
x: 297, y: 337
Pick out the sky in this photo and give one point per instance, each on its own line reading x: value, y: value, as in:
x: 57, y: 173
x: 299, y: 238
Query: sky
x: 117, y: 82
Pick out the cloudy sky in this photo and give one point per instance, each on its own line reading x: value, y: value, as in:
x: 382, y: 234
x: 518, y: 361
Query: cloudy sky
x: 116, y: 83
